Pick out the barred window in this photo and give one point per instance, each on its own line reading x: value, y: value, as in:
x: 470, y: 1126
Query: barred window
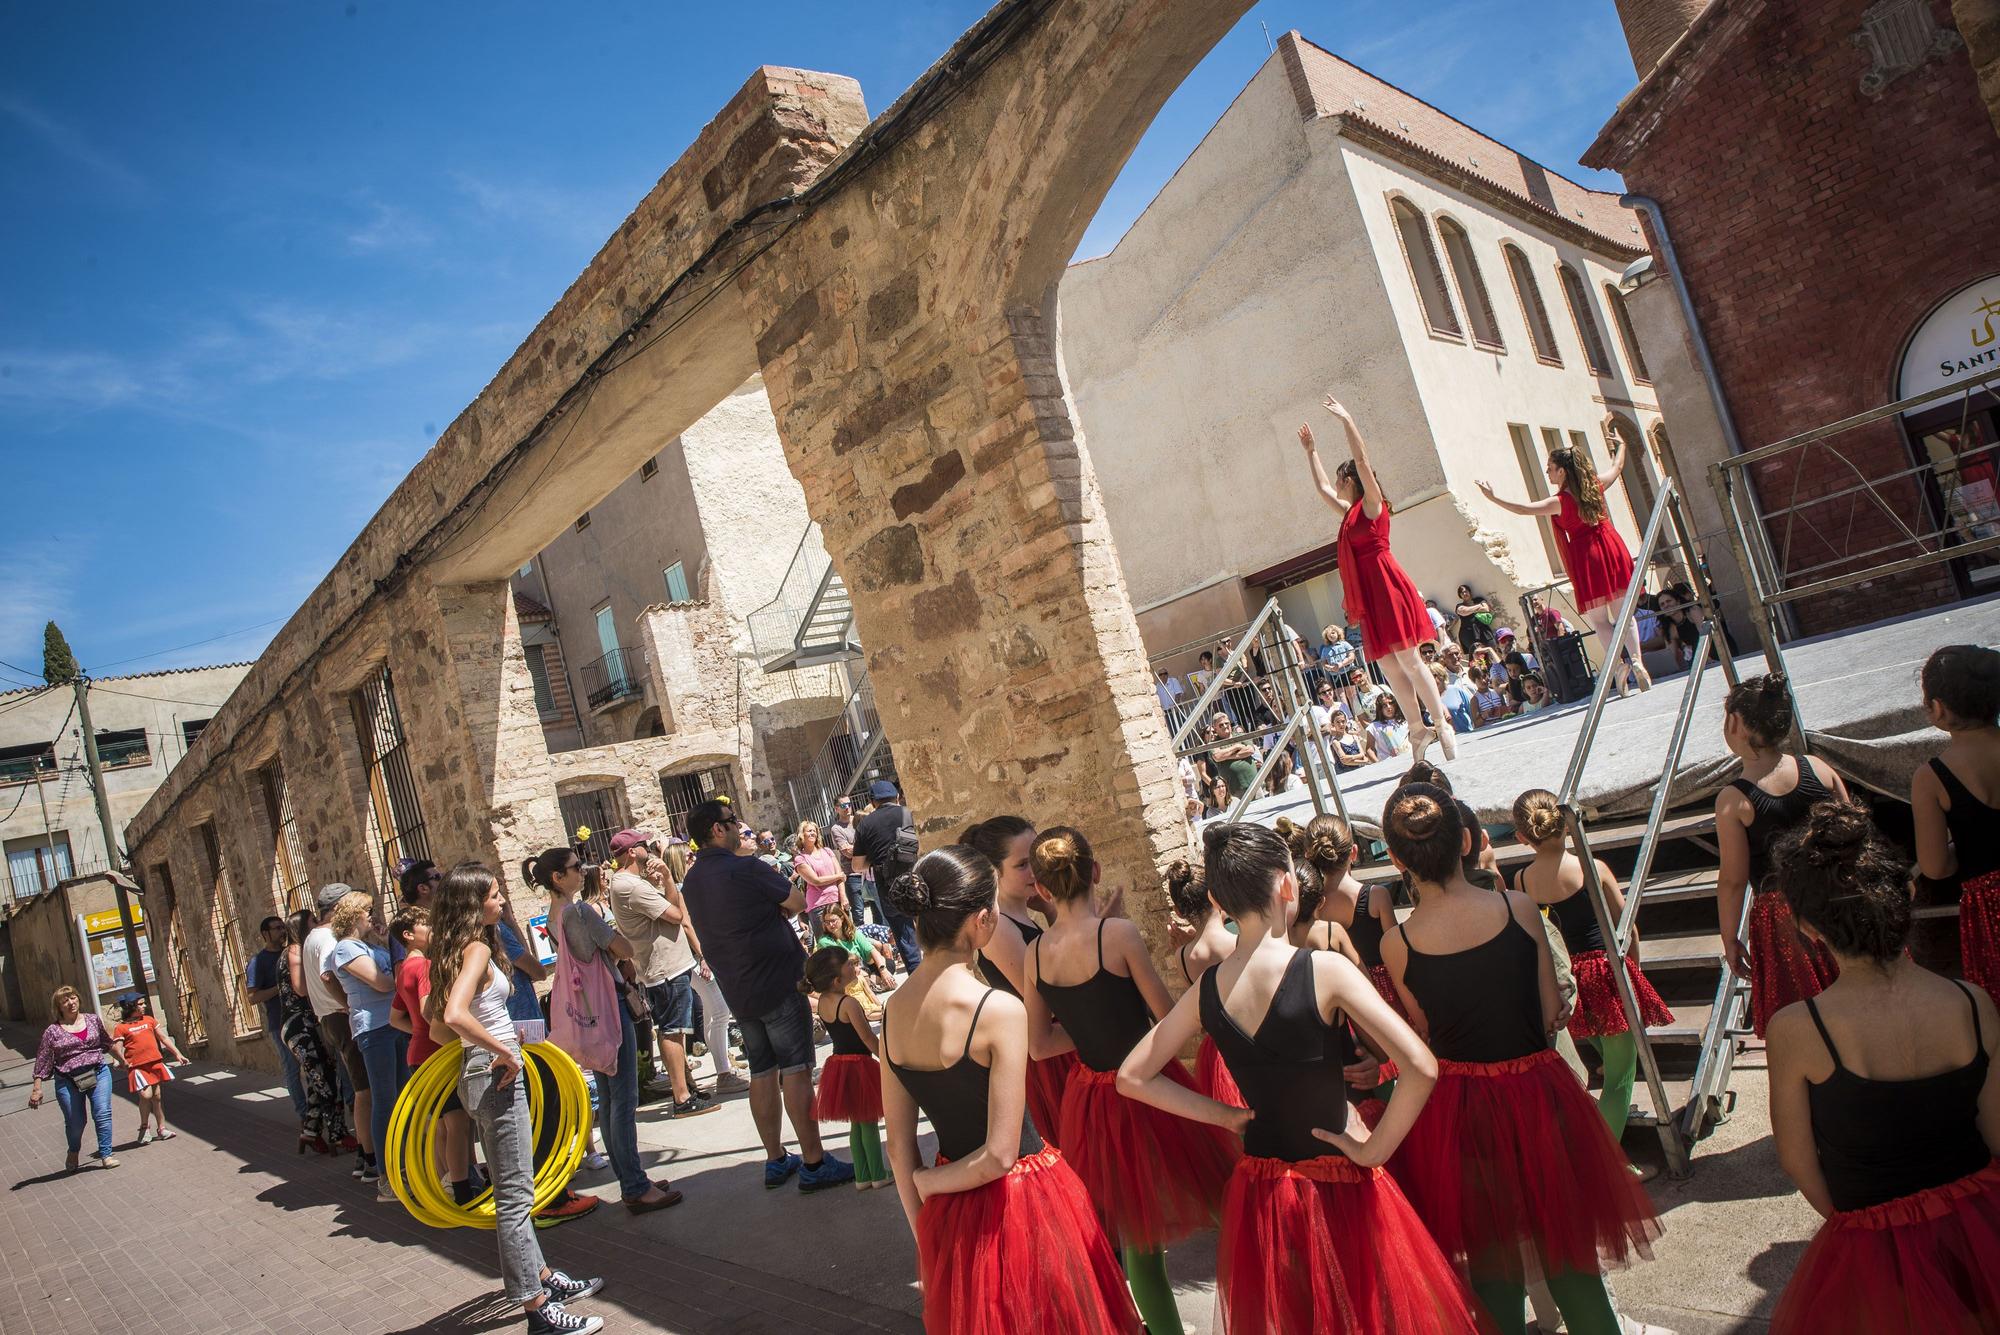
x: 290, y: 887
x: 243, y: 1018
x: 396, y: 822
x: 193, y: 1031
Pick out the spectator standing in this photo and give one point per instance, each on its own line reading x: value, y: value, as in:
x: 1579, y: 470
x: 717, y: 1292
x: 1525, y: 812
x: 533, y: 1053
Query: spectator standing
x: 880, y: 844
x: 768, y: 850
x: 1438, y: 619
x: 324, y: 1127
x: 819, y: 868
x: 715, y: 1015
x: 1340, y: 663
x: 746, y: 908
x: 663, y: 960
x: 1475, y: 619
x: 410, y: 933
x: 76, y: 1052
x: 1548, y: 622
x: 1168, y: 691
x: 1235, y: 762
x: 359, y: 962
x: 260, y: 978
x: 840, y: 835
x: 138, y: 1041
x: 329, y: 1005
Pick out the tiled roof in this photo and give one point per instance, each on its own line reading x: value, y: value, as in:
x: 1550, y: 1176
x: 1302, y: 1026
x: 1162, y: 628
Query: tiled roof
x: 528, y: 609
x: 139, y: 676
x: 1668, y: 82
x: 1326, y: 85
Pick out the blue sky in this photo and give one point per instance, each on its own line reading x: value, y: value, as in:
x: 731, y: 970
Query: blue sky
x: 253, y: 257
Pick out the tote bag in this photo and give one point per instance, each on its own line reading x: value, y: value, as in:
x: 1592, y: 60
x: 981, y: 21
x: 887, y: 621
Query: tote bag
x: 583, y: 1010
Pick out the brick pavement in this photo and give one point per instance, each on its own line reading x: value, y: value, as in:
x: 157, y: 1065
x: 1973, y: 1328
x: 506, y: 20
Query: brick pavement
x: 225, y: 1228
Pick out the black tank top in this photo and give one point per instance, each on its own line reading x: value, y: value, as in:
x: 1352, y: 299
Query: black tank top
x: 1483, y: 1004
x: 1974, y: 826
x: 1774, y: 816
x: 1289, y: 1067
x: 1104, y: 1015
x: 991, y: 971
x: 954, y: 1098
x: 1366, y: 933
x: 1576, y: 922
x: 1880, y: 1139
x: 846, y: 1040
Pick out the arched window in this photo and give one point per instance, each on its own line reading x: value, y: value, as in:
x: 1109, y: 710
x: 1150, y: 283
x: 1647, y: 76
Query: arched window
x: 1533, y: 310
x: 1587, y: 332
x: 1638, y: 475
x: 1471, y: 285
x: 1425, y: 272
x: 1623, y: 319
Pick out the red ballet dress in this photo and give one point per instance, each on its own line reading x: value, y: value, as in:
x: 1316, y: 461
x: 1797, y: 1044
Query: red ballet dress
x: 1598, y: 1011
x: 1510, y: 1164
x: 1784, y: 966
x: 1975, y: 838
x: 1913, y: 1245
x: 850, y: 1084
x: 1154, y: 1178
x: 1310, y: 1240
x: 1022, y: 1255
x: 1595, y: 556
x: 1048, y: 1077
x: 1211, y: 1074
x: 1374, y: 588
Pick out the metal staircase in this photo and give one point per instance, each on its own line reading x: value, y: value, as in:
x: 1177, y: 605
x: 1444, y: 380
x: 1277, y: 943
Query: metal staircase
x: 811, y: 619
x: 855, y: 750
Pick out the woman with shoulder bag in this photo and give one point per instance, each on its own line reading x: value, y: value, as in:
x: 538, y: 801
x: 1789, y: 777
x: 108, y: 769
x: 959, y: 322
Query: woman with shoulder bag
x: 77, y: 1052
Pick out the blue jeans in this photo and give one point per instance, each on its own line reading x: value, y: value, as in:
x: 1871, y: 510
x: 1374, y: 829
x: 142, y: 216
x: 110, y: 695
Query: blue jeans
x: 860, y: 892
x: 779, y: 1040
x: 619, y: 1096
x: 97, y: 1103
x: 506, y: 1133
x: 381, y: 1053
x: 904, y: 929
x: 294, y: 1084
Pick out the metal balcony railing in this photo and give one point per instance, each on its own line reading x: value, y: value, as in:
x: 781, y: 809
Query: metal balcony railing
x: 811, y: 619
x: 854, y: 751
x: 616, y: 676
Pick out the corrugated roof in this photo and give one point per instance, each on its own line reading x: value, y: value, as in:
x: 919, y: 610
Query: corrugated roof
x: 1327, y: 85
x: 137, y: 676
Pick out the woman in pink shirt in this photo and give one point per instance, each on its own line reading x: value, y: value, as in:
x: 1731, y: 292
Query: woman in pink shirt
x: 819, y: 868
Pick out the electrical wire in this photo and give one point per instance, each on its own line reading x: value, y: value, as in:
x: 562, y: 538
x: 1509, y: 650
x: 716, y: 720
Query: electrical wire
x: 226, y: 635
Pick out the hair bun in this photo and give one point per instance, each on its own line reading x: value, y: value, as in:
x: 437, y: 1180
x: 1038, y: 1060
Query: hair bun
x: 909, y: 893
x: 1838, y: 825
x: 1180, y: 872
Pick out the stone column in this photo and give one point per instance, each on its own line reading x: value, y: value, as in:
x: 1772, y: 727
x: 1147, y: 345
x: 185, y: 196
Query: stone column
x: 1979, y: 24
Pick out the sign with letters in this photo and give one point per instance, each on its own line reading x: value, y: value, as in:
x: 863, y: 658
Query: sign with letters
x: 1959, y: 341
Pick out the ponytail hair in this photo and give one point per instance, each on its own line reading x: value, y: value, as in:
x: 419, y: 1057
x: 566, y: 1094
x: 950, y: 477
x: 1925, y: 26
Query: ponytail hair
x: 947, y: 886
x: 1312, y: 889
x: 993, y: 835
x: 1843, y: 879
x: 1763, y: 705
x: 541, y: 870
x: 1064, y: 865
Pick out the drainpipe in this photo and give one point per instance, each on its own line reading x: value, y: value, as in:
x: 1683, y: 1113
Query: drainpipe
x: 1657, y: 217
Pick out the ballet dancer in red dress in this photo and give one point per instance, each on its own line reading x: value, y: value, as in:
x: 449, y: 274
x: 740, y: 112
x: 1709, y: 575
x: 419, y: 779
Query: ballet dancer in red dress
x: 1377, y: 592
x: 1885, y: 1103
x: 1315, y: 1235
x: 1006, y: 841
x: 1211, y: 944
x: 1594, y: 555
x: 1007, y: 1240
x: 1958, y: 829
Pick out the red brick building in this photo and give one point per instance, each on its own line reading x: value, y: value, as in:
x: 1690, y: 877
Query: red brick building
x: 1829, y: 176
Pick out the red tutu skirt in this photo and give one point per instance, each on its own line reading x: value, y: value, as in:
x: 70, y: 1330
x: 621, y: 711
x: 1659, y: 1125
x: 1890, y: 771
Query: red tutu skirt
x: 850, y: 1089
x: 1211, y: 1075
x: 1784, y: 966
x: 1046, y: 1082
x: 1324, y: 1245
x: 1020, y: 1256
x: 1379, y: 975
x: 1597, y: 1010
x: 1366, y: 1105
x: 1979, y: 932
x: 1376, y: 590
x: 1155, y: 1178
x: 1512, y: 1153
x: 1927, y: 1264
x: 1594, y: 556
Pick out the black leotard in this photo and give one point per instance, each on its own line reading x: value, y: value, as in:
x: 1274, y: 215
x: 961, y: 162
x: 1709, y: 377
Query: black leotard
x: 1774, y: 816
x: 1104, y: 1015
x: 1366, y: 933
x: 1288, y: 1067
x: 1974, y: 826
x: 846, y: 1039
x: 1880, y: 1139
x: 991, y: 971
x: 1483, y: 1004
x: 954, y: 1098
x: 1576, y: 922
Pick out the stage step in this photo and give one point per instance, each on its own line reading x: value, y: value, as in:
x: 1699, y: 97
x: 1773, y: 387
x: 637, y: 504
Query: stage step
x: 1605, y: 837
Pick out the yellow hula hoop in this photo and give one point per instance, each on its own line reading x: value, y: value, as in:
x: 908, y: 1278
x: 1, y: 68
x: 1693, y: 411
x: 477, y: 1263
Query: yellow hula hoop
x: 409, y: 1159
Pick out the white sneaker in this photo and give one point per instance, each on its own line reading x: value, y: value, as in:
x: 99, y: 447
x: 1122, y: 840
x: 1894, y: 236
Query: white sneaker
x: 145, y: 1135
x: 384, y: 1193
x: 596, y: 1162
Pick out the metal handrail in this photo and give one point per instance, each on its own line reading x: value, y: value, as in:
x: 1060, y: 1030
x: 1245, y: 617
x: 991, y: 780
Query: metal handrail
x: 1663, y: 795
x: 1250, y: 793
x: 1873, y: 415
x: 1228, y: 668
x: 1716, y: 1056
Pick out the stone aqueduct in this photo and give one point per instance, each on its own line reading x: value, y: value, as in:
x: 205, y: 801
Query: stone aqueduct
x: 894, y: 284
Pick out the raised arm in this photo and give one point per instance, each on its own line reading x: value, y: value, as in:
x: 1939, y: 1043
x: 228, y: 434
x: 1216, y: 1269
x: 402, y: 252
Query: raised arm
x: 1543, y: 507
x: 1321, y: 482
x: 1371, y: 490
x: 1610, y: 478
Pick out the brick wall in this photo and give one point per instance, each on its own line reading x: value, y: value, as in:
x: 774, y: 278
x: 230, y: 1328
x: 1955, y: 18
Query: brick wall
x: 1817, y: 227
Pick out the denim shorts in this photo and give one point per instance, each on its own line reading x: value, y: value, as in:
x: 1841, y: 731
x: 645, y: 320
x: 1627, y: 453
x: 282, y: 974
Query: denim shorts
x: 672, y: 1004
x: 779, y: 1040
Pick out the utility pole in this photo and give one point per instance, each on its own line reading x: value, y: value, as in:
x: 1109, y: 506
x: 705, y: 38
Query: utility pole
x: 112, y: 854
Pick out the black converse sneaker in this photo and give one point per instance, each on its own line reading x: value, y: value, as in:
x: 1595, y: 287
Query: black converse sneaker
x: 552, y: 1318
x: 566, y: 1290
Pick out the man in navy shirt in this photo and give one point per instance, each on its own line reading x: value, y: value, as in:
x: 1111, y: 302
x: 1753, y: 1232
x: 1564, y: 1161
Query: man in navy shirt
x: 261, y: 980
x: 743, y: 909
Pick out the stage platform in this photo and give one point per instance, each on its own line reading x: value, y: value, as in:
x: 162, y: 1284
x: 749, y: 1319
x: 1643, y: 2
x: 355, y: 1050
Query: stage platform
x: 1857, y: 692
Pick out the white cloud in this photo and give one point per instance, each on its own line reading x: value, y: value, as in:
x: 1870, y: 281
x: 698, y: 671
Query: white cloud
x: 573, y: 215
x: 71, y: 145
x: 36, y: 586
x: 389, y: 228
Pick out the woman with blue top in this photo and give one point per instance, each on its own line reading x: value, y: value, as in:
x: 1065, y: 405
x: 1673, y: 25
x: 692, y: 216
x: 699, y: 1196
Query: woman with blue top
x: 360, y: 964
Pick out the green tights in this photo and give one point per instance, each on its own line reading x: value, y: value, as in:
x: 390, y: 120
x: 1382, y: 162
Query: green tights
x: 1621, y: 1068
x: 866, y: 1145
x: 1146, y: 1273
x: 1580, y: 1295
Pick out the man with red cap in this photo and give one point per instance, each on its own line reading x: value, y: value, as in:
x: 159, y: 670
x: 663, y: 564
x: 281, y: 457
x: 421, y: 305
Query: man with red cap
x: 664, y: 957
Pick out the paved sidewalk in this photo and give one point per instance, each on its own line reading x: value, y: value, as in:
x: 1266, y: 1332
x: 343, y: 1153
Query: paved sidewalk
x: 226, y: 1229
